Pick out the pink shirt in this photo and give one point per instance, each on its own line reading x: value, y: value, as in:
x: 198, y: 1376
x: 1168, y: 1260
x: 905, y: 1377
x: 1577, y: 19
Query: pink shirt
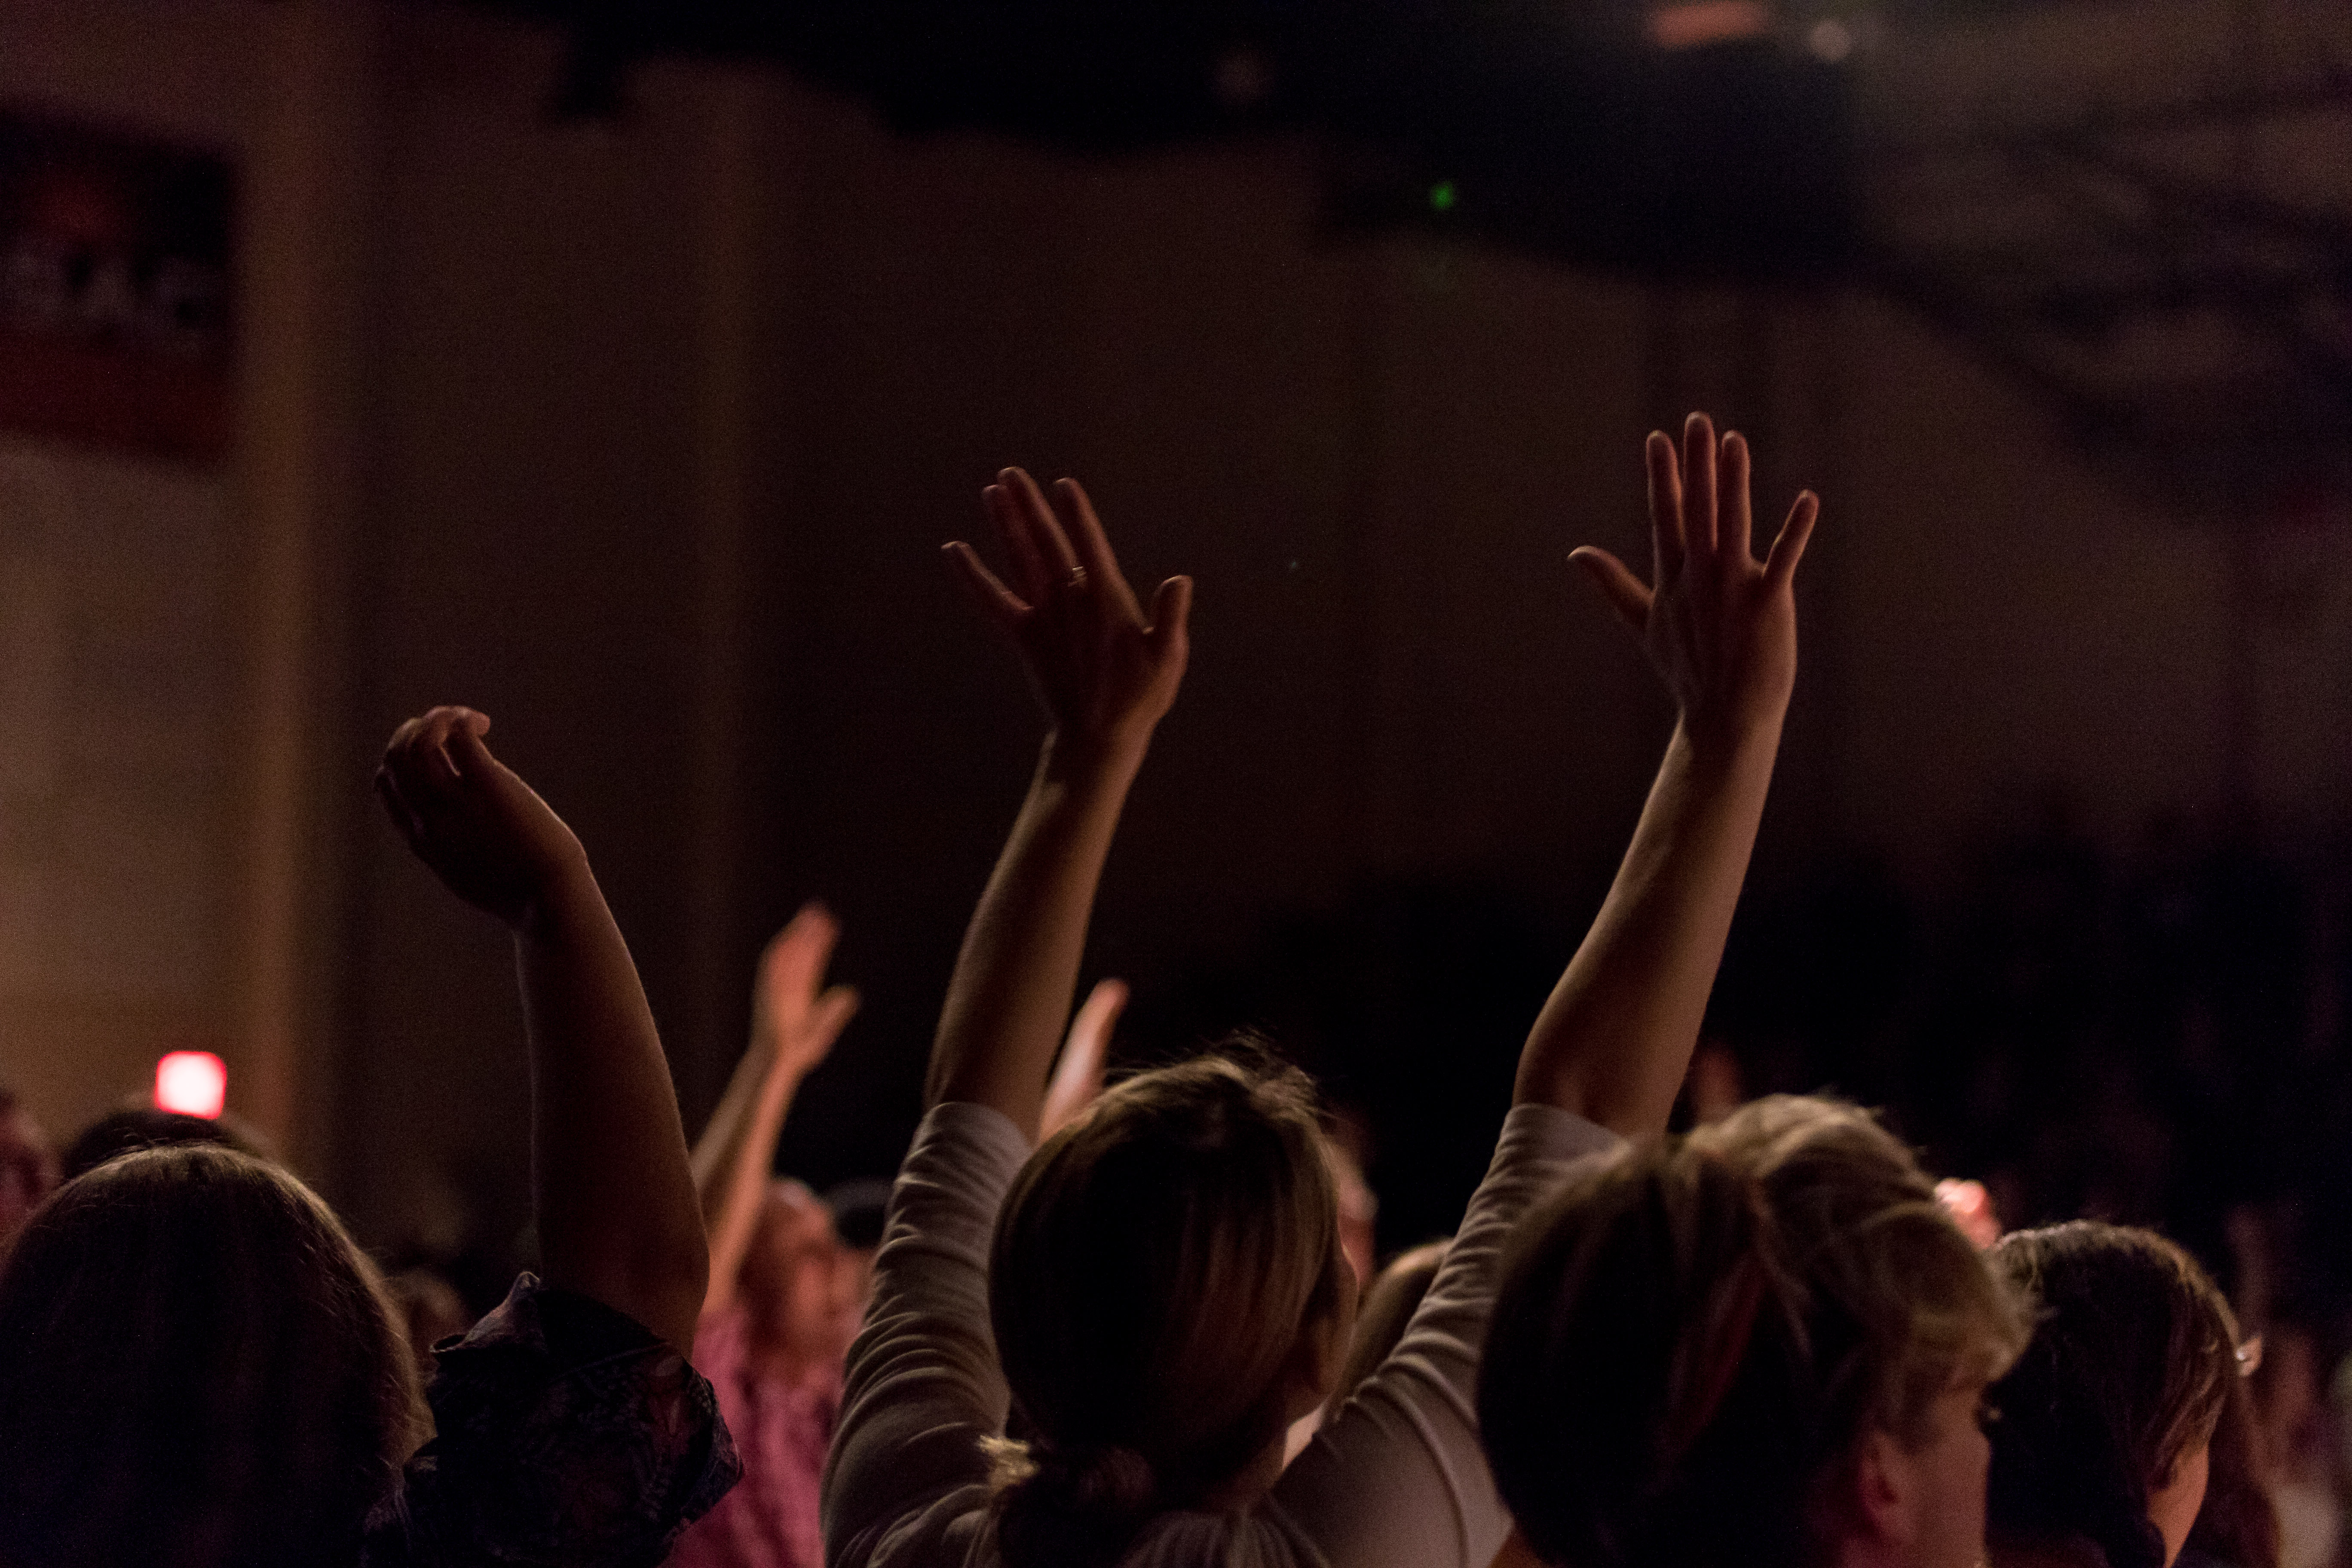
x: 781, y: 1430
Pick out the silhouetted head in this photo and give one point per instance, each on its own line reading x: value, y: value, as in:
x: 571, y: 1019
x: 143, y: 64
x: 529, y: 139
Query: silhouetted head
x: 800, y: 1286
x: 201, y: 1371
x: 136, y: 1127
x: 1386, y: 1309
x: 2106, y: 1417
x: 1757, y: 1345
x: 1169, y: 1294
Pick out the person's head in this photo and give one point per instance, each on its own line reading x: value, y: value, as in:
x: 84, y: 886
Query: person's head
x: 859, y: 1208
x: 28, y: 1166
x: 1387, y: 1307
x: 134, y: 1127
x: 1169, y: 1294
x: 798, y: 1284
x: 2106, y: 1417
x: 202, y: 1370
x: 1764, y: 1344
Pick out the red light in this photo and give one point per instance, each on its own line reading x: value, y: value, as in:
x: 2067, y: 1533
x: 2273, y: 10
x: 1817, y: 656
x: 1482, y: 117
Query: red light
x: 194, y: 1083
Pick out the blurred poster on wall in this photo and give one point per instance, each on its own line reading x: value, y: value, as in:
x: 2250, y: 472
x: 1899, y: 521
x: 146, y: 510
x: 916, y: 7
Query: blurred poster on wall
x: 115, y: 325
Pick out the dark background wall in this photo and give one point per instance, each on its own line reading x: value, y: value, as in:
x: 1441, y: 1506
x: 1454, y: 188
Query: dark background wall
x: 643, y: 435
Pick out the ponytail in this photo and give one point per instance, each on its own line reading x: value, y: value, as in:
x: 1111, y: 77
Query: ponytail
x: 1071, y: 1508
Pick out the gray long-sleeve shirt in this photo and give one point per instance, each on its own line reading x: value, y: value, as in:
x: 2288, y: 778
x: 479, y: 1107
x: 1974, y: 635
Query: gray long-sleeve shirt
x: 1394, y: 1479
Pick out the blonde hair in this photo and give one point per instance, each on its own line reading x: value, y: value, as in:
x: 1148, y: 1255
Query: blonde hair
x: 1690, y: 1339
x: 1158, y: 1265
x: 202, y: 1369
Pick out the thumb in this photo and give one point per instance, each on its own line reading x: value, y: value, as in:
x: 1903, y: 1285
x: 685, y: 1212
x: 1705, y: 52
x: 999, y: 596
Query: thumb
x: 834, y: 1011
x: 1781, y: 565
x: 1624, y: 592
x: 1172, y: 607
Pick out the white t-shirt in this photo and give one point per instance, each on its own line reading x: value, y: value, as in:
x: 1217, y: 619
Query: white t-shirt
x: 1394, y: 1479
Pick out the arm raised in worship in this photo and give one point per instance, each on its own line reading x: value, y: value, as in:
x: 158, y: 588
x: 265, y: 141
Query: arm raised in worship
x: 611, y: 1188
x: 795, y: 1018
x: 1106, y: 676
x: 1720, y: 627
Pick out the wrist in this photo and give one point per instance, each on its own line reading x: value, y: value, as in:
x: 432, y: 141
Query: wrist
x: 564, y: 890
x: 1728, y: 746
x: 1070, y: 757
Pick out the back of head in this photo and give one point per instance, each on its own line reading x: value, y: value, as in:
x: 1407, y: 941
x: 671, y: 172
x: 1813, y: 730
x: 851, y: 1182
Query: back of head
x: 201, y: 1370
x: 2133, y: 1358
x: 1159, y: 1266
x: 1690, y: 1340
x: 135, y: 1127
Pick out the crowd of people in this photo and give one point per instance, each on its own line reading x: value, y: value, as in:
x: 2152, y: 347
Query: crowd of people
x: 1138, y: 1322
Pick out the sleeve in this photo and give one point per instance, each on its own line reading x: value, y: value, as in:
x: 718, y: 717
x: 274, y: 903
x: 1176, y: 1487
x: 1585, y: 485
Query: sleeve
x: 1396, y: 1478
x: 922, y: 1387
x: 565, y: 1433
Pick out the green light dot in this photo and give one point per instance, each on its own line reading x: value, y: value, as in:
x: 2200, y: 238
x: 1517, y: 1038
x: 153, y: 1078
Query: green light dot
x: 1443, y: 196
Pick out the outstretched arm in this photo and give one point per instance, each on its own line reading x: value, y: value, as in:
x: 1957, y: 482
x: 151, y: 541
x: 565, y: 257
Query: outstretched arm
x: 614, y: 1202
x: 1106, y: 676
x: 1720, y: 627
x: 794, y: 1025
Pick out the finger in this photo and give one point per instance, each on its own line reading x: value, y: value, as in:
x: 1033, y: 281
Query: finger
x: 1078, y: 1076
x: 398, y: 744
x: 430, y: 765
x: 409, y: 764
x: 1738, y: 521
x: 1100, y: 1014
x: 1044, y: 528
x: 387, y: 790
x: 1624, y: 592
x: 1666, y: 542
x: 1028, y: 559
x: 1780, y: 567
x: 479, y: 773
x: 1172, y: 612
x: 796, y: 960
x: 1698, y: 487
x: 1095, y: 552
x: 997, y: 602
x: 831, y: 1016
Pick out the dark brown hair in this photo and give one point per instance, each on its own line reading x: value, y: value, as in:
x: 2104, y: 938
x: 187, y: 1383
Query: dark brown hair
x: 200, y: 1371
x: 1158, y: 1265
x: 2133, y: 1358
x: 1690, y: 1339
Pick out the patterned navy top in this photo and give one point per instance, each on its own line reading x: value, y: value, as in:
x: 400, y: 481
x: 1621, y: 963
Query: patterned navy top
x: 566, y: 1432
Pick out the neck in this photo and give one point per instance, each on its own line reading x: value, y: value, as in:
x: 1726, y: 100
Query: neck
x: 1251, y: 1482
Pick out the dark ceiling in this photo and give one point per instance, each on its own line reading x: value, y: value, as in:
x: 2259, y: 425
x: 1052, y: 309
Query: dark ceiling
x: 2121, y: 249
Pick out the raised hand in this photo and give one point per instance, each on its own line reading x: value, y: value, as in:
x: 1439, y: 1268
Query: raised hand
x: 1106, y: 675
x: 471, y: 819
x: 795, y: 1015
x: 1615, y: 1040
x: 611, y: 1189
x: 1719, y: 625
x: 1078, y: 1076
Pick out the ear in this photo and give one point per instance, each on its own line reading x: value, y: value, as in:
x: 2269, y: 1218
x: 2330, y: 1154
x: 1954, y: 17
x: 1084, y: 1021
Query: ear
x: 1883, y: 1490
x: 1316, y: 1360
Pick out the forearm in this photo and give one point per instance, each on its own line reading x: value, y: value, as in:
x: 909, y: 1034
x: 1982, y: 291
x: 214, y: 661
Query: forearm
x: 746, y: 1187
x: 1018, y: 970
x: 713, y: 1158
x: 1616, y: 1036
x: 613, y: 1196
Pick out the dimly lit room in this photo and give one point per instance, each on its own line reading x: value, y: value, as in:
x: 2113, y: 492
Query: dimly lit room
x: 1944, y: 1052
